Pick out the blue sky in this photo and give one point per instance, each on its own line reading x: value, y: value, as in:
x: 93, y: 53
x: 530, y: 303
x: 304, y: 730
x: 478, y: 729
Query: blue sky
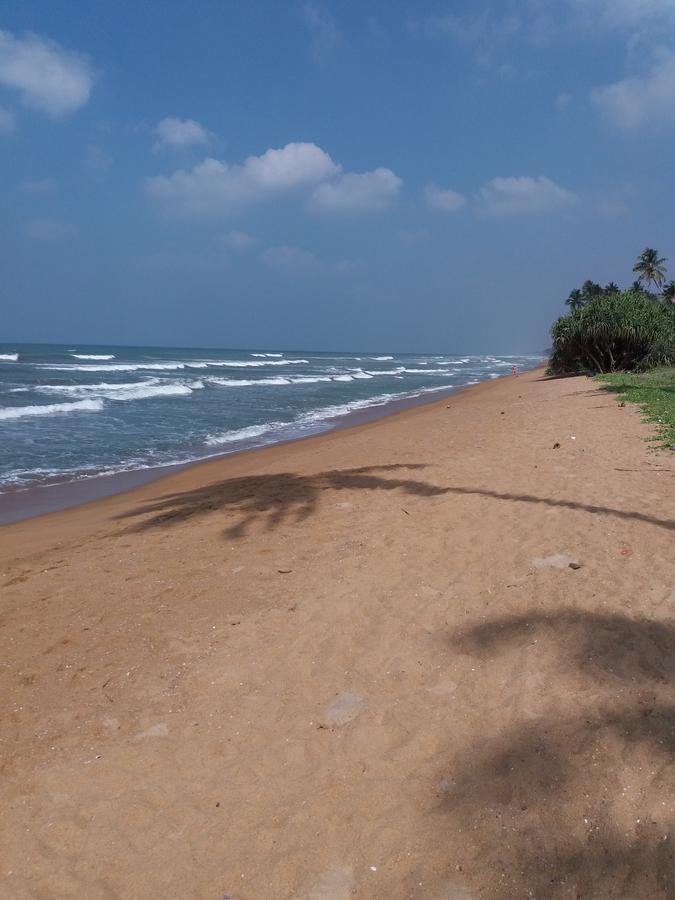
x: 341, y: 175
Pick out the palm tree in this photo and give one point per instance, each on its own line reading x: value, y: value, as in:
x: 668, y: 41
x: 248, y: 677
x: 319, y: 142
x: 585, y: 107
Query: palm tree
x: 650, y: 267
x: 575, y: 300
x: 637, y: 288
x: 669, y: 292
x: 590, y: 290
x: 611, y: 288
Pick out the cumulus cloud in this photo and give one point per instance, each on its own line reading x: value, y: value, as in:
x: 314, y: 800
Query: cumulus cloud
x: 642, y: 100
x: 523, y: 195
x: 238, y: 240
x: 47, y: 77
x: 325, y: 36
x: 357, y: 192
x: 443, y: 199
x: 213, y: 187
x: 7, y: 123
x: 286, y: 257
x: 178, y: 134
x: 49, y: 229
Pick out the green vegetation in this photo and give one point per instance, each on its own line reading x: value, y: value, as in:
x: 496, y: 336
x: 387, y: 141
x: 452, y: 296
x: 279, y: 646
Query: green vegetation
x: 610, y: 331
x: 650, y: 267
x: 654, y: 392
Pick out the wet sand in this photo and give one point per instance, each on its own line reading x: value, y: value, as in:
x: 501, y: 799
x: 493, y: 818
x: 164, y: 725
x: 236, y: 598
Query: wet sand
x: 430, y: 656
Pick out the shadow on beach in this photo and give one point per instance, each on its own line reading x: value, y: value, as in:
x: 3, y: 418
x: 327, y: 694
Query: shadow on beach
x: 274, y: 498
x: 580, y: 806
x: 288, y: 495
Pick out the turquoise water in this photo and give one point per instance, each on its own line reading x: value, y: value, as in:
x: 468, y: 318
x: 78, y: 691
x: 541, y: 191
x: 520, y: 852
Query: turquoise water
x: 68, y: 412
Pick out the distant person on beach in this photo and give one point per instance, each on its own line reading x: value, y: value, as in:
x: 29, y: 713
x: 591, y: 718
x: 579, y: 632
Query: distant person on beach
x: 514, y: 370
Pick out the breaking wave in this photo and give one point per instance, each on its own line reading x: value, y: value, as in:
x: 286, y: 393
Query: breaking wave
x: 51, y: 409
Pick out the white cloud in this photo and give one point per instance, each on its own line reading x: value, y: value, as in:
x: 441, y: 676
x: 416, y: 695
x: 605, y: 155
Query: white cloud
x: 357, y: 192
x: 648, y: 100
x: 325, y: 36
x: 289, y: 258
x: 180, y: 133
x: 238, y: 240
x: 491, y: 34
x: 495, y: 30
x: 47, y: 77
x: 49, y: 229
x: 7, y: 123
x: 623, y: 13
x: 213, y: 188
x: 443, y: 199
x: 523, y: 195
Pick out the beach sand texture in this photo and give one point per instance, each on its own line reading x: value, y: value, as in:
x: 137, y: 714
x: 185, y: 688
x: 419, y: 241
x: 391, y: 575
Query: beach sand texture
x: 431, y: 656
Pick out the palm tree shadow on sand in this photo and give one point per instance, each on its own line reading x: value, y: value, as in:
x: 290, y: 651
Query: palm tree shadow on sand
x: 580, y: 806
x: 275, y: 498
x: 281, y: 496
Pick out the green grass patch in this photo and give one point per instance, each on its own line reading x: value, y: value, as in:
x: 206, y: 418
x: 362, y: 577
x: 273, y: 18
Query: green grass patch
x: 654, y: 393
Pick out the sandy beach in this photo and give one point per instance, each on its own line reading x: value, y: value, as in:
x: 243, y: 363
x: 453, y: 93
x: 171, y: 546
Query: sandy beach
x: 424, y: 657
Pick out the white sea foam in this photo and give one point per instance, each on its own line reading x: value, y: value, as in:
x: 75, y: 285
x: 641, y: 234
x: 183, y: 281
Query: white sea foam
x: 267, y: 354
x: 308, y: 379
x: 253, y: 363
x: 115, y: 367
x: 9, y: 357
x: 427, y: 371
x: 342, y: 378
x: 385, y: 371
x: 379, y: 358
x: 139, y: 390
x: 93, y: 355
x: 50, y: 409
x: 88, y: 389
x: 247, y: 382
x: 243, y: 434
x: 271, y: 381
x: 314, y: 417
x: 143, y: 392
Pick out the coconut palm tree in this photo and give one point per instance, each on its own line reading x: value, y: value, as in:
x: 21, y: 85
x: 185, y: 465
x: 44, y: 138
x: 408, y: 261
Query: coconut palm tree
x: 590, y: 290
x: 650, y: 267
x: 611, y: 288
x: 575, y: 300
x: 669, y: 292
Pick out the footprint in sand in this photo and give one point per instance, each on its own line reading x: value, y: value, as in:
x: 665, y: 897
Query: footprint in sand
x: 345, y: 708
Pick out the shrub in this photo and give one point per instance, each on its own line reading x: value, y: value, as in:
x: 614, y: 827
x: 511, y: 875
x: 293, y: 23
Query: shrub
x: 614, y: 332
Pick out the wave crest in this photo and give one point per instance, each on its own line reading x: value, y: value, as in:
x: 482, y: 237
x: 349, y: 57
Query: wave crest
x: 51, y: 409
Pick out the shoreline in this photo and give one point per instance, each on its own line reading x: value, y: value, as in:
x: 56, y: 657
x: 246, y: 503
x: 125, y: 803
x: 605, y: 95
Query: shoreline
x: 42, y: 498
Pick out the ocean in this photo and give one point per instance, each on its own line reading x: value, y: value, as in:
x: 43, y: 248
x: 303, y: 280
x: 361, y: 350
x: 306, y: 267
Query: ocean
x: 73, y: 412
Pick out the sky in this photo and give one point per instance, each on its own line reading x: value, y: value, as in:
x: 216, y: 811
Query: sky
x: 381, y: 174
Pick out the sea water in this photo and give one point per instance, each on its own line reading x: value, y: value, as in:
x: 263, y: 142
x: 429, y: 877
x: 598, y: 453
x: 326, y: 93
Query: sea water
x: 73, y: 411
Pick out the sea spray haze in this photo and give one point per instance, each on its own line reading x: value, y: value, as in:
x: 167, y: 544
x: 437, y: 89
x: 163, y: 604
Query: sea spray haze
x: 68, y: 412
